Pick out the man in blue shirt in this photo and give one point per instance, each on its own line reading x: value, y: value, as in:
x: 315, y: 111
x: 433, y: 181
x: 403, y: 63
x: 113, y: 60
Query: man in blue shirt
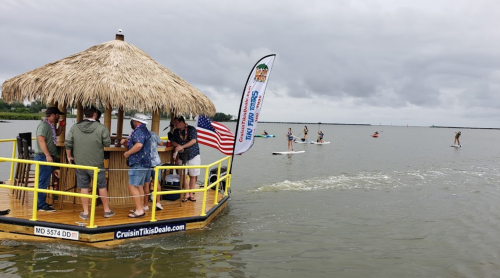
x: 139, y: 160
x: 183, y: 137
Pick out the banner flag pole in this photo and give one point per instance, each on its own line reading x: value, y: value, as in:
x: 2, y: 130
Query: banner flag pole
x: 250, y: 105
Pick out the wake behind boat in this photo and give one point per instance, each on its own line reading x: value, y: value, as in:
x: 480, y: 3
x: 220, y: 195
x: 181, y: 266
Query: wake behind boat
x: 292, y: 152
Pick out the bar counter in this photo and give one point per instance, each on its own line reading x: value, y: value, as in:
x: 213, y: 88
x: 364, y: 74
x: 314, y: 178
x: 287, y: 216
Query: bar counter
x: 116, y: 174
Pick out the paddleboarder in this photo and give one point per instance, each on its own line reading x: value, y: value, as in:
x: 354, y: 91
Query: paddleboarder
x: 457, y: 140
x: 320, y: 136
x: 289, y: 136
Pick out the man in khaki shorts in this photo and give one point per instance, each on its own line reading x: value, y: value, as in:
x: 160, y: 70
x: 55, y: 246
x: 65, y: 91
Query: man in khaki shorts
x: 183, y: 137
x: 87, y: 140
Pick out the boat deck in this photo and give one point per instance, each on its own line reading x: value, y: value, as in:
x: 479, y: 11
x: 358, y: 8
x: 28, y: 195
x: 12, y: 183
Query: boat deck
x: 184, y: 216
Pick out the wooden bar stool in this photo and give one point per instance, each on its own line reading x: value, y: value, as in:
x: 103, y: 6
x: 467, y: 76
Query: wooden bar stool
x: 19, y: 167
x: 27, y: 176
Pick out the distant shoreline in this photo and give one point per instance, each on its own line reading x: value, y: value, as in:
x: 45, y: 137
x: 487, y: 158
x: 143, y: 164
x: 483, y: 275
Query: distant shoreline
x: 433, y: 126
x: 311, y: 123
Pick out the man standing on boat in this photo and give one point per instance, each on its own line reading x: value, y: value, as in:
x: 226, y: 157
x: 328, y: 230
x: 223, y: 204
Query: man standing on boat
x: 184, y: 137
x: 87, y: 140
x: 46, y: 150
x: 139, y: 160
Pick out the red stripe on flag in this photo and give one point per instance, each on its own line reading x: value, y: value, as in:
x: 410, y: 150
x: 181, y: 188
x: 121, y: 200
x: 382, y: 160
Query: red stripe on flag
x: 222, y: 139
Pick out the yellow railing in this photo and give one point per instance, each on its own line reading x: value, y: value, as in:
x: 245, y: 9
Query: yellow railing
x: 94, y: 196
x: 11, y: 178
x: 206, y: 187
x: 36, y: 190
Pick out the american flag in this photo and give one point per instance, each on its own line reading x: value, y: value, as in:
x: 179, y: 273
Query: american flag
x: 215, y: 135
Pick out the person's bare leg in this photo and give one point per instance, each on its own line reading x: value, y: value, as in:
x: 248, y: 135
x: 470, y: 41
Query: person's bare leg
x: 103, y: 193
x: 85, y: 201
x: 192, y: 184
x: 146, y: 192
x: 135, y: 191
x: 158, y: 189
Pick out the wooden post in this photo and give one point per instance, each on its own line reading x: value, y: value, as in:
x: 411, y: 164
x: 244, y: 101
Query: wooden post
x: 107, y: 118
x: 155, y: 124
x: 119, y: 126
x: 79, y: 113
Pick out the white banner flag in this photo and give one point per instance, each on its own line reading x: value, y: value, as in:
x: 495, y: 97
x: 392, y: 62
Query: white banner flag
x: 251, y: 103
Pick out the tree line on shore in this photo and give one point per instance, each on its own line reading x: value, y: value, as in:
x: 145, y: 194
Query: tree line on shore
x: 33, y: 111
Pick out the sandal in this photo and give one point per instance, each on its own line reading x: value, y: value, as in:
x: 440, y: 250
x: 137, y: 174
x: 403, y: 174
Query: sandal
x: 185, y: 199
x: 192, y: 199
x: 135, y: 215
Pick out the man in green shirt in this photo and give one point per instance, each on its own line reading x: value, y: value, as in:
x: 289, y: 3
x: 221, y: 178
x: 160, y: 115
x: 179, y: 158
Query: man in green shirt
x: 87, y: 140
x: 46, y: 150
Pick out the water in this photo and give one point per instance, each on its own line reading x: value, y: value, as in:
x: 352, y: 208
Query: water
x: 405, y: 204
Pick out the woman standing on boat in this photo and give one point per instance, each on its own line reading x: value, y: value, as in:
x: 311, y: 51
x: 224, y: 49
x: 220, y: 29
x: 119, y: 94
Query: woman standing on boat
x: 289, y: 136
x: 155, y: 161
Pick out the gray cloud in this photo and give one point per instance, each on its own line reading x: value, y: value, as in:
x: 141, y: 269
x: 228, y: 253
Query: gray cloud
x: 386, y: 54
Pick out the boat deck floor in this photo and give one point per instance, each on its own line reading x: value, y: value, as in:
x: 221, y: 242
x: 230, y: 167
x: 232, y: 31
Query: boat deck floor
x: 188, y: 212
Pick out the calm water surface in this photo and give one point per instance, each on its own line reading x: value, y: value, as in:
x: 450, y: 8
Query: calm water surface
x: 405, y: 204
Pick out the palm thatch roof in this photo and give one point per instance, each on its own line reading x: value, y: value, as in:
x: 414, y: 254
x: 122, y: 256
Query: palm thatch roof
x: 114, y: 74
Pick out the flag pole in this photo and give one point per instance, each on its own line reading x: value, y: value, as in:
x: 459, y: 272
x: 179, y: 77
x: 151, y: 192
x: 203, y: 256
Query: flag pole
x: 241, y: 103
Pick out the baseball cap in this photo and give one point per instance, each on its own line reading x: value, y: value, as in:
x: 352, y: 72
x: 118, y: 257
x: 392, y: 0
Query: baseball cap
x: 53, y: 110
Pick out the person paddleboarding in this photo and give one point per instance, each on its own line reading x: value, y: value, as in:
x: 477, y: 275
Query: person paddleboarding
x: 457, y: 138
x: 289, y: 136
x: 320, y: 136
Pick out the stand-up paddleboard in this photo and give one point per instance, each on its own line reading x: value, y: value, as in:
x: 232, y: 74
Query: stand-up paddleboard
x: 301, y: 142
x: 318, y: 143
x: 456, y: 146
x: 292, y: 152
x: 265, y: 136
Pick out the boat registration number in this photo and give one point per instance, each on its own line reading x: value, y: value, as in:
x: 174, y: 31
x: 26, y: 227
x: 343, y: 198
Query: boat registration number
x: 58, y: 233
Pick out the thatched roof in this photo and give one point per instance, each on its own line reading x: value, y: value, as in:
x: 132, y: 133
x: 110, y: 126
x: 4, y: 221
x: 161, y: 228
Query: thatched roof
x: 113, y: 73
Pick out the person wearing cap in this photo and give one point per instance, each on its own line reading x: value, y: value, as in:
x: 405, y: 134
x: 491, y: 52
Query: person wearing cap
x: 185, y: 136
x: 139, y: 160
x: 46, y: 150
x: 85, y: 146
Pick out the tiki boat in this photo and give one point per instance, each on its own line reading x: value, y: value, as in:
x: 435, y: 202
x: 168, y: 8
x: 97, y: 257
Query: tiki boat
x: 115, y: 75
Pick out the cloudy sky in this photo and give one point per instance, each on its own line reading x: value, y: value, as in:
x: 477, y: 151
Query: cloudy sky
x: 425, y: 62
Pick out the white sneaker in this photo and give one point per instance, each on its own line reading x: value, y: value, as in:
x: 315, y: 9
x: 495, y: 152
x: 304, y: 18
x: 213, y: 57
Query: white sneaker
x: 145, y: 208
x: 158, y: 206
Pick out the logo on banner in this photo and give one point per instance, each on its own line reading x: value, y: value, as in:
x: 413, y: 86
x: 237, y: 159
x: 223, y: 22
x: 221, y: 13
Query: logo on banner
x: 261, y: 73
